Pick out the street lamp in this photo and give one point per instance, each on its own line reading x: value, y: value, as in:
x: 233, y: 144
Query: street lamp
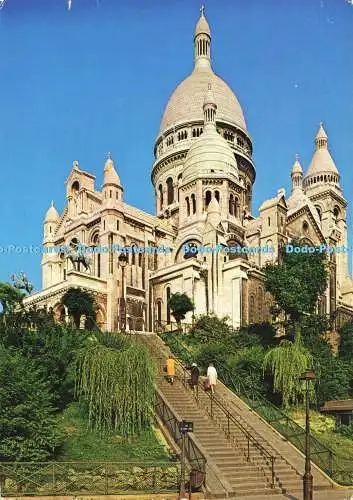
x: 122, y: 259
x: 308, y: 376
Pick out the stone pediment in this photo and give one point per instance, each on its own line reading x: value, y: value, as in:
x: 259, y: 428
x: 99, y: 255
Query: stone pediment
x: 302, y: 214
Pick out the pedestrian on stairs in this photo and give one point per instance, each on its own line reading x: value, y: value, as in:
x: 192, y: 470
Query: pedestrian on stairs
x: 212, y: 377
x: 171, y: 369
x: 195, y: 374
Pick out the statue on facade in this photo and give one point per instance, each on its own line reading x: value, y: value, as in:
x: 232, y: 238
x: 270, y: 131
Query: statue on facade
x: 77, y: 256
x: 21, y: 282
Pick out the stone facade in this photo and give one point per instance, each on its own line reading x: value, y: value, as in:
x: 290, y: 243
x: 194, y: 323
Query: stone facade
x: 203, y: 177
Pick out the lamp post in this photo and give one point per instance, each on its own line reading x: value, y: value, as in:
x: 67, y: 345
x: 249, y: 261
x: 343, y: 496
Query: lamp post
x: 122, y: 259
x: 308, y: 376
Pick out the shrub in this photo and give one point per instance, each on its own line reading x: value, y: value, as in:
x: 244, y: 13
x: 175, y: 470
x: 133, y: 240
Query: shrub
x: 210, y: 328
x: 212, y: 352
x: 246, y: 365
x: 28, y: 426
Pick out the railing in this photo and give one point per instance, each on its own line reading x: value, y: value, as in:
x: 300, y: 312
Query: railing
x: 253, y: 449
x: 172, y: 326
x: 267, y: 459
x: 335, y: 466
x: 83, y: 478
x: 195, y: 458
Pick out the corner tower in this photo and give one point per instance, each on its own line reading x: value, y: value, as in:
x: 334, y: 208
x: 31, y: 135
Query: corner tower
x: 183, y: 123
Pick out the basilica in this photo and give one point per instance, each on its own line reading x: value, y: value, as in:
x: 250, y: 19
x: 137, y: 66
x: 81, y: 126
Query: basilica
x: 203, y: 175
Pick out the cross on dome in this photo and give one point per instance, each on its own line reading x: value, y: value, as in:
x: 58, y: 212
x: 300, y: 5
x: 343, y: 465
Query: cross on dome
x: 202, y: 10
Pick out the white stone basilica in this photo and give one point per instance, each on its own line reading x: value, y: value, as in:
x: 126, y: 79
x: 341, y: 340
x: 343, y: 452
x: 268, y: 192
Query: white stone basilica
x: 203, y: 176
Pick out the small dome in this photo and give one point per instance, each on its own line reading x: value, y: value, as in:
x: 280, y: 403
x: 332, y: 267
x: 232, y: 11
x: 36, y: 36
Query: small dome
x: 202, y: 26
x: 52, y: 214
x: 321, y: 134
x: 209, y: 155
x: 321, y: 162
x: 213, y: 207
x: 297, y: 168
x: 110, y: 174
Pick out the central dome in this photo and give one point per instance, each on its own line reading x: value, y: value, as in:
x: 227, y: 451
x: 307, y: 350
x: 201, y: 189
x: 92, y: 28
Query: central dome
x: 185, y: 104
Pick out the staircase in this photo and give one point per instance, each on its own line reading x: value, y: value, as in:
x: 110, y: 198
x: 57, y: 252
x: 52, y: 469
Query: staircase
x: 239, y: 477
x: 241, y: 462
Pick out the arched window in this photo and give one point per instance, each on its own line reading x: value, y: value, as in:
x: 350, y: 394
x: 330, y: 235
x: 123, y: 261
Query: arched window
x: 236, y: 207
x: 208, y: 198
x: 160, y: 189
x: 217, y: 195
x: 159, y: 311
x: 251, y: 309
x: 336, y: 213
x: 140, y: 255
x: 187, y: 206
x: 133, y: 254
x: 170, y: 191
x: 232, y: 255
x: 75, y: 187
x: 231, y: 204
x: 180, y: 176
x: 192, y: 252
x: 96, y: 256
x: 193, y: 203
x: 168, y: 306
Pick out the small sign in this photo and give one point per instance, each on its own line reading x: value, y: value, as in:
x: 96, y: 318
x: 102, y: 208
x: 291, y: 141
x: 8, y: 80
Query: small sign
x: 186, y: 426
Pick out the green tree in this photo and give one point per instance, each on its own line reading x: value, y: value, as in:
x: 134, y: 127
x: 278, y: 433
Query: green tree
x: 10, y: 298
x: 346, y: 341
x: 28, y: 428
x: 286, y: 363
x: 180, y: 304
x: 80, y: 302
x: 210, y: 328
x: 297, y: 281
x: 117, y: 384
x: 246, y: 365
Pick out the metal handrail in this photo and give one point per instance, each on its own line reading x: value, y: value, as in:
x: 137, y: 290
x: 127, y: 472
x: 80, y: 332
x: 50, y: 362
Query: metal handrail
x: 230, y: 418
x: 196, y: 459
x: 162, y: 326
x: 239, y: 388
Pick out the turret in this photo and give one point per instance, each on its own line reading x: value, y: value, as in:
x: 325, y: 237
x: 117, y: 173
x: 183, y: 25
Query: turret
x: 297, y: 175
x: 322, y: 169
x: 50, y: 223
x: 112, y: 188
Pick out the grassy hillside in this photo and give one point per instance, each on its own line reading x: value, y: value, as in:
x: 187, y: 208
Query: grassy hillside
x: 82, y: 444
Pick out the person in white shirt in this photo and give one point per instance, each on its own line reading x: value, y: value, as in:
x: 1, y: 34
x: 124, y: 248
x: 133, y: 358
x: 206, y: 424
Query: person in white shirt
x: 212, y: 376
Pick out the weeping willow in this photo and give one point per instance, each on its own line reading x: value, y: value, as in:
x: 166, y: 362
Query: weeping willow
x: 287, y: 362
x: 117, y: 384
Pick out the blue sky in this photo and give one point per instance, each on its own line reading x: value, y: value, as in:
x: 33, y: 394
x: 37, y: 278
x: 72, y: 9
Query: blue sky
x: 75, y: 85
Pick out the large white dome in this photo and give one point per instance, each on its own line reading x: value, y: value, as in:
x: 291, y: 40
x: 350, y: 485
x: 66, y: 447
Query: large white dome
x: 185, y: 104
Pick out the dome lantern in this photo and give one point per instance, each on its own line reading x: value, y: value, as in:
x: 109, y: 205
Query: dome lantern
x: 297, y: 175
x: 209, y: 108
x: 202, y: 42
